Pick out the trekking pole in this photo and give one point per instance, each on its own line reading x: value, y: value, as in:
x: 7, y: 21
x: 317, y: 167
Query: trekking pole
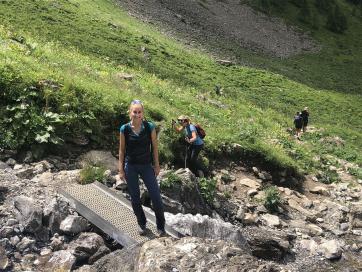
x: 185, y: 156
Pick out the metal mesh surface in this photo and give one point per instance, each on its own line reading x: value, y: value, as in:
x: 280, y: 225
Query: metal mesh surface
x: 111, y: 210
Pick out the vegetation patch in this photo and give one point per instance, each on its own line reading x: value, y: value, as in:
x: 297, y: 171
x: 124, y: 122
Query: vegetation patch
x: 170, y: 180
x: 92, y: 173
x: 272, y: 198
x: 208, y: 189
x: 59, y: 80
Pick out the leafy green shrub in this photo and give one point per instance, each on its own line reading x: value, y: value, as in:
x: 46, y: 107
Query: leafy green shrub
x: 356, y: 172
x: 23, y: 121
x: 170, y: 179
x: 272, y: 198
x: 328, y: 176
x: 91, y: 173
x: 208, y: 189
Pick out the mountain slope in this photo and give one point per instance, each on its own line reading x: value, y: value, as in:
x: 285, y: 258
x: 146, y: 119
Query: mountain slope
x: 81, y: 47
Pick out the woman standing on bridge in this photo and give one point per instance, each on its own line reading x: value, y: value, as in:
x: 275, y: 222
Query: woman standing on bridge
x: 138, y: 147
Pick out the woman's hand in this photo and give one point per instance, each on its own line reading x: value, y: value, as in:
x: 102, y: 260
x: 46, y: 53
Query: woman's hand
x: 122, y: 175
x: 157, y: 169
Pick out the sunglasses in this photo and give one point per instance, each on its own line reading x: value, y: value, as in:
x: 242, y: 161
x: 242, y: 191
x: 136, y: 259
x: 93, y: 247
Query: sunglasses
x: 136, y: 101
x: 182, y: 120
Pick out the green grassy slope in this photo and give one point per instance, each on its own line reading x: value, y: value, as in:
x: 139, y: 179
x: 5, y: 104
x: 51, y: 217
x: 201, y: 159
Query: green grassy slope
x: 80, y: 47
x: 338, y: 64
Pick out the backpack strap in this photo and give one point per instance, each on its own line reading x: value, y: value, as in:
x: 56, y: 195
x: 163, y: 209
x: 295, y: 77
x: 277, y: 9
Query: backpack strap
x: 127, y: 129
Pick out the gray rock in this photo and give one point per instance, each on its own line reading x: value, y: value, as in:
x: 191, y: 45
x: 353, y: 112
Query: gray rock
x: 102, y: 251
x: 193, y: 254
x: 128, y: 257
x: 62, y: 260
x: 356, y: 216
x: 6, y: 232
x: 250, y: 219
x: 28, y: 213
x: 314, y: 230
x: 269, y: 244
x: 38, y: 168
x: 344, y: 226
x: 25, y: 243
x: 86, y: 245
x: 320, y: 190
x: 73, y: 224
x: 14, y: 240
x: 25, y: 173
x: 252, y: 192
x: 310, y: 245
x: 18, y: 166
x: 98, y: 157
x: 331, y: 249
x: 4, y: 261
x: 11, y: 222
x: 11, y: 162
x: 54, y: 213
x: 271, y: 220
x: 28, y: 157
x: 203, y: 226
x: 57, y: 243
x: 3, y: 165
x: 187, y: 193
x: 249, y: 183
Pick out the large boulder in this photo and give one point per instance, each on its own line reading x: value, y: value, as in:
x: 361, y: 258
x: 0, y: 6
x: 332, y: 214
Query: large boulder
x: 203, y: 226
x: 98, y: 157
x: 28, y: 213
x: 269, y: 244
x: 124, y: 260
x: 54, y: 213
x: 62, y: 260
x: 74, y: 224
x: 185, y: 254
x: 331, y: 249
x: 194, y: 254
x: 356, y: 216
x: 86, y: 245
x: 185, y: 195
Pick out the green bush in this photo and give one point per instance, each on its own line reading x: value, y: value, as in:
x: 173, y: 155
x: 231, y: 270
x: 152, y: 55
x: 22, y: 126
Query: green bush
x: 170, y: 180
x: 208, y: 189
x: 272, y: 198
x: 356, y: 172
x: 91, y: 173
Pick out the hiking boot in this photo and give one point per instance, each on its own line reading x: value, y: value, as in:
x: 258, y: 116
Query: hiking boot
x: 142, y: 230
x: 161, y: 233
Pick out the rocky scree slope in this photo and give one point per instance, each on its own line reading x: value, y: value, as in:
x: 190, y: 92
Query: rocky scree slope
x: 224, y: 25
x: 317, y: 229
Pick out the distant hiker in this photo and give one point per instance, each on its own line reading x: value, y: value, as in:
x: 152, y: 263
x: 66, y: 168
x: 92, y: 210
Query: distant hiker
x: 137, y: 148
x: 305, y: 116
x: 298, y: 122
x: 194, y: 144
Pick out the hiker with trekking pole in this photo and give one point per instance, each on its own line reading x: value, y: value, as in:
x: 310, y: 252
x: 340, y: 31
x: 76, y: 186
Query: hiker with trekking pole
x: 194, y: 143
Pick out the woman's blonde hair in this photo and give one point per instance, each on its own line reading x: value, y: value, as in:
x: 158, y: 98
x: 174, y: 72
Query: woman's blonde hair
x: 136, y: 102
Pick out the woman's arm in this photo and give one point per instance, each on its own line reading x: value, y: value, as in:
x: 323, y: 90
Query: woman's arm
x: 122, y: 147
x: 156, y: 162
x: 193, y: 137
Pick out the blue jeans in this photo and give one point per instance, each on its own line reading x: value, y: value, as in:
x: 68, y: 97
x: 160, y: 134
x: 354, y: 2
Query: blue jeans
x: 133, y: 171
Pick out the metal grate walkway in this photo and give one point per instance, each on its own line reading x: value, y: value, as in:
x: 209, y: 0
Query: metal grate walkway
x: 110, y: 212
